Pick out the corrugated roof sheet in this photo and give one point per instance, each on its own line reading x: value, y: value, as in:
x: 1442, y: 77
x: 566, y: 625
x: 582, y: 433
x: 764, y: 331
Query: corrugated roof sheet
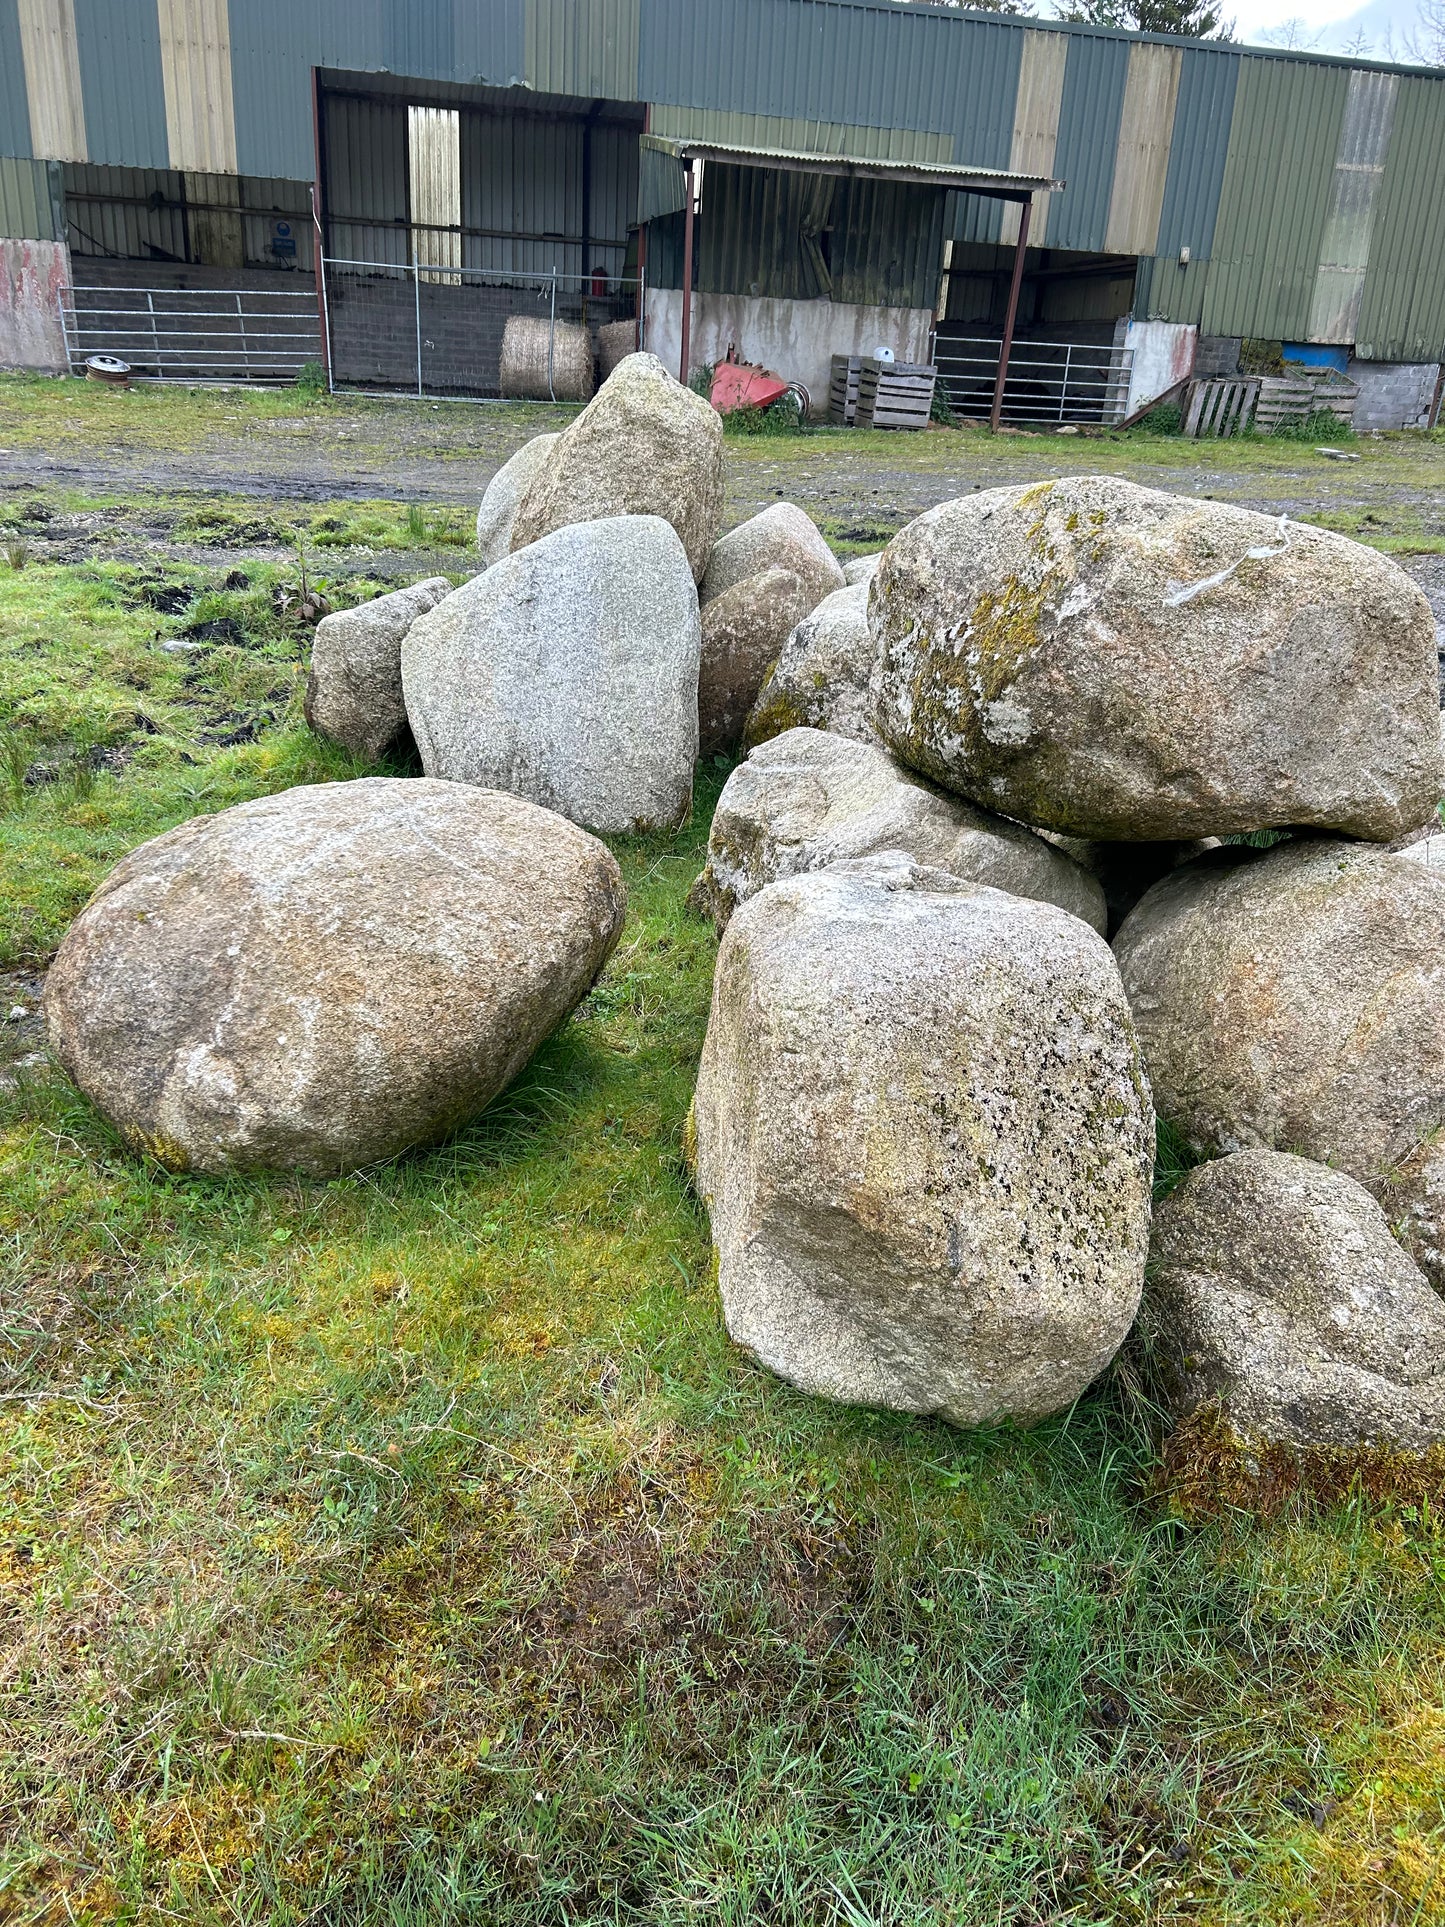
x: 1274, y: 199
x: 809, y: 136
x: 584, y: 46
x: 1202, y: 119
x: 1088, y: 137
x: 942, y: 174
x: 1402, y: 309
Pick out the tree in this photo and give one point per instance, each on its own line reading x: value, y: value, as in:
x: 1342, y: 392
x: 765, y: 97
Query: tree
x: 1194, y: 19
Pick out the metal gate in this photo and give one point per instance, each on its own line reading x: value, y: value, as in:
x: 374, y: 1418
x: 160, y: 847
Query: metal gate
x: 429, y: 329
x: 1049, y: 383
x: 194, y: 334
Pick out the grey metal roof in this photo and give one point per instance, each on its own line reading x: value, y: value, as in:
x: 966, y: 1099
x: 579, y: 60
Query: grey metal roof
x: 971, y: 180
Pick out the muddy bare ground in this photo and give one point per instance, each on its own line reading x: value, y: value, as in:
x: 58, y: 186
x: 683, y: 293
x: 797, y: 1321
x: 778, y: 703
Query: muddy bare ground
x: 155, y: 457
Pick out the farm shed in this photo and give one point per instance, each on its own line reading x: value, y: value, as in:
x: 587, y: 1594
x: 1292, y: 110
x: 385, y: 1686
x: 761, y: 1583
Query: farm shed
x: 483, y: 157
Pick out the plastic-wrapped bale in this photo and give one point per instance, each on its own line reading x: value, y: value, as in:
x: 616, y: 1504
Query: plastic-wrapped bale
x: 616, y: 340
x: 541, y: 362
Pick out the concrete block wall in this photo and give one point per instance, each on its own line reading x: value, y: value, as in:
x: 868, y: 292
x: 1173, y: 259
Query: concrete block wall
x: 1216, y: 356
x: 1394, y: 394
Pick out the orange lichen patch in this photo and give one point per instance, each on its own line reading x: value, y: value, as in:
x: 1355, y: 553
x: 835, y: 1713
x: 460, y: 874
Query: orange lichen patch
x: 1207, y: 1470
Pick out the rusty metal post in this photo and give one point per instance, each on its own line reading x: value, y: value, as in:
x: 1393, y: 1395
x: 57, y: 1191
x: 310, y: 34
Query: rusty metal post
x: 1006, y: 345
x: 687, y: 238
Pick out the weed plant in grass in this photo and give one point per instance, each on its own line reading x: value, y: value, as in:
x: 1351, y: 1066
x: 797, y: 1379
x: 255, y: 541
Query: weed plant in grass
x: 415, y: 1548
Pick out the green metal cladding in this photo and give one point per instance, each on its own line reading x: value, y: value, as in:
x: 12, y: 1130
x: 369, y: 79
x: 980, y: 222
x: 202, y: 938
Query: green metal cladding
x: 1249, y: 168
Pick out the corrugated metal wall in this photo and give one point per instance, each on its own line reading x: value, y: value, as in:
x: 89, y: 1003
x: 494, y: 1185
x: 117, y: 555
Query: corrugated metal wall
x: 1161, y: 142
x: 31, y: 200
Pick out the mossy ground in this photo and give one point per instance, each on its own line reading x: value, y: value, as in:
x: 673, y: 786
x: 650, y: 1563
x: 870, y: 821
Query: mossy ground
x: 415, y: 1547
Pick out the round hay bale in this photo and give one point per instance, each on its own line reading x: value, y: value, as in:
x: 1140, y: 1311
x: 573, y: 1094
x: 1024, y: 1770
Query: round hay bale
x: 525, y: 343
x: 615, y: 341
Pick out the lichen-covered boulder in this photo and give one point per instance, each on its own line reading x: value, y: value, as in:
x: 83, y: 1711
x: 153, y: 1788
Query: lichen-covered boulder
x: 567, y: 673
x: 1277, y: 1295
x: 862, y: 568
x: 644, y: 445
x: 924, y: 1138
x: 504, y: 495
x: 742, y: 631
x: 353, y: 694
x: 1121, y: 664
x: 806, y: 799
x: 1292, y: 999
x: 820, y: 679
x: 780, y: 537
x: 317, y: 980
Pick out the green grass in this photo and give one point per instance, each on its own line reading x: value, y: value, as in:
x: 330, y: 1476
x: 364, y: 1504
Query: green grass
x: 415, y: 1548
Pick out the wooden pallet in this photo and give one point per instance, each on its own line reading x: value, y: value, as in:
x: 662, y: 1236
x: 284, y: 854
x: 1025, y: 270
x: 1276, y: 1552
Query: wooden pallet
x: 843, y: 390
x: 895, y: 394
x: 1219, y: 408
x: 1294, y: 398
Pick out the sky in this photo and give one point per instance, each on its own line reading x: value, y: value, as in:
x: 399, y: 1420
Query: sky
x: 1329, y: 25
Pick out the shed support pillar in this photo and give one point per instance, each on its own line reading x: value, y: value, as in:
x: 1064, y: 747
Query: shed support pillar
x: 688, y: 219
x: 1005, y: 346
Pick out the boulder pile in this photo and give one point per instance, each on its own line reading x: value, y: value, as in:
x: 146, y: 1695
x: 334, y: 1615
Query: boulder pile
x: 924, y: 1126
x: 1111, y: 700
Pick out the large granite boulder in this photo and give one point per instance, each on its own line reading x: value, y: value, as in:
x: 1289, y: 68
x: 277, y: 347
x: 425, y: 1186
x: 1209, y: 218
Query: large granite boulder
x: 504, y: 494
x: 1120, y: 664
x: 317, y: 980
x: 644, y: 445
x: 780, y: 537
x: 567, y: 673
x: 820, y: 679
x: 1292, y: 999
x: 1277, y: 1294
x: 925, y: 1140
x: 862, y: 568
x: 743, y: 629
x: 806, y: 799
x: 353, y: 694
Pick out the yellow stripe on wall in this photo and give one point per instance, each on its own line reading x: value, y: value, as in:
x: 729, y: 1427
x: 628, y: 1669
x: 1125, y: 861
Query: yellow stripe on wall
x: 1036, y: 123
x: 196, y: 63
x: 1141, y: 162
x: 52, y: 80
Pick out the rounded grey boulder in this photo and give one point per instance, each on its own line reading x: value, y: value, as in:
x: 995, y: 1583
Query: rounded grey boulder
x: 354, y: 694
x: 1291, y: 999
x: 862, y: 568
x: 742, y: 631
x: 317, y: 980
x: 1277, y: 1294
x: 567, y: 673
x: 644, y: 445
x: 925, y: 1141
x: 820, y: 679
x: 504, y: 494
x: 780, y: 537
x: 1125, y: 665
x: 806, y: 799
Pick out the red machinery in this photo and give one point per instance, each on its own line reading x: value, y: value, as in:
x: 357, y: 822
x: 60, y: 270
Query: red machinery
x: 745, y: 384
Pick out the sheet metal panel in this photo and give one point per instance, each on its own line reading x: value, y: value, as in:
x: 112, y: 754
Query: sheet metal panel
x: 109, y: 213
x: 366, y: 187
x: 1359, y: 171
x: 52, y: 79
x: 828, y: 60
x: 806, y: 136
x: 30, y: 200
x: 121, y: 81
x: 1165, y: 291
x: 1402, y: 309
x: 1275, y: 198
x: 196, y: 65
x: 584, y: 47
x: 1094, y: 82
x: 1203, y: 115
x: 1146, y: 132
x: 14, y: 107
x: 1035, y: 135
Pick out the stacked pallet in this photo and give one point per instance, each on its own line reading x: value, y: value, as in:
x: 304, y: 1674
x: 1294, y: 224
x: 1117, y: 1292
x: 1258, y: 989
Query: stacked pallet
x: 867, y: 393
x: 1294, y: 398
x: 843, y: 390
x: 895, y: 394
